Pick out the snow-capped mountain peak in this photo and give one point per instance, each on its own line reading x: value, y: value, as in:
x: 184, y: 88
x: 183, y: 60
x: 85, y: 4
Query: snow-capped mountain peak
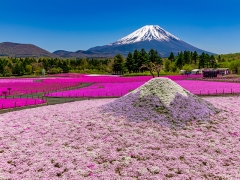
x: 147, y: 33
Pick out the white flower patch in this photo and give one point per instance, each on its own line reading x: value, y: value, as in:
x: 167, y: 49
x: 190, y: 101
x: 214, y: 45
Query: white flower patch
x: 126, y: 160
x: 164, y: 88
x: 154, y: 169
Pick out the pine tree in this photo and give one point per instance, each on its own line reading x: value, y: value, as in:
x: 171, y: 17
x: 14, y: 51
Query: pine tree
x: 171, y: 57
x: 195, y: 57
x: 167, y: 65
x: 219, y: 58
x: 179, y: 61
x: 187, y: 57
x: 213, y: 63
x: 153, y: 55
x: 143, y: 59
x: 129, y: 62
x: 136, y: 57
x: 118, y: 65
x: 201, y: 63
x: 207, y: 60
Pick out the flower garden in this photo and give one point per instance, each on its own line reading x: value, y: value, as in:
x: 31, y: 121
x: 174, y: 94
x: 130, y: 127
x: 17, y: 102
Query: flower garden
x: 150, y: 130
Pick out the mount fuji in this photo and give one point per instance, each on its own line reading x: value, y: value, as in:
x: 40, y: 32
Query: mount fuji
x: 147, y: 37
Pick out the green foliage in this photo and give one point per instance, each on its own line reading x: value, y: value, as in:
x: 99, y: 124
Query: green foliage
x: 234, y: 66
x: 167, y: 67
x: 187, y: 57
x: 31, y: 66
x: 195, y: 57
x: 228, y: 57
x: 55, y: 70
x: 180, y: 60
x: 171, y: 57
x: 18, y: 69
x: 188, y: 67
x: 29, y: 69
x: 118, y: 65
x: 83, y: 63
x: 130, y: 63
x: 202, y: 61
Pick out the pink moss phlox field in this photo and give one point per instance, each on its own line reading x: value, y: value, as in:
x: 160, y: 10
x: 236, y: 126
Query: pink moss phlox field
x: 118, y: 79
x: 31, y: 85
x: 76, y: 141
x: 211, y: 88
x: 20, y: 86
x: 120, y: 89
x: 19, y: 102
x: 99, y: 90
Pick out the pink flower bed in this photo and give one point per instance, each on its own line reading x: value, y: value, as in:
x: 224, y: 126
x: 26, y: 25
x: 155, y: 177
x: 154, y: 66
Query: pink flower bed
x: 29, y: 86
x: 117, y: 79
x: 211, y: 88
x: 77, y: 141
x: 34, y: 85
x: 120, y: 89
x: 99, y: 90
x: 19, y: 102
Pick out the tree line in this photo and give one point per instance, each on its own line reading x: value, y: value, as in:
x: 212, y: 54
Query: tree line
x: 33, y: 66
x: 140, y: 61
x: 135, y: 62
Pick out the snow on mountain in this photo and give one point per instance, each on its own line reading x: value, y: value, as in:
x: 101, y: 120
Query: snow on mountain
x: 147, y: 33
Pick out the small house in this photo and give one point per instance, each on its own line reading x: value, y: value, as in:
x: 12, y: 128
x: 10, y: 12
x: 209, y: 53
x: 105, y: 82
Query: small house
x: 195, y: 71
x: 223, y: 71
x: 182, y: 72
x: 209, y: 73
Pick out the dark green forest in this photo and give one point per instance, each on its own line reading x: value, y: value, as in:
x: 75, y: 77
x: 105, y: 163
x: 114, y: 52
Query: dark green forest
x: 135, y: 62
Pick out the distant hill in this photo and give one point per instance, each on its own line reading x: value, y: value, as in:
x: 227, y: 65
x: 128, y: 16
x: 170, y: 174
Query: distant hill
x: 230, y: 57
x: 80, y: 53
x: 23, y: 50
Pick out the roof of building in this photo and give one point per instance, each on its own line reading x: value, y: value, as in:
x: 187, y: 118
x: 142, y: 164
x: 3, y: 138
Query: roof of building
x: 196, y: 70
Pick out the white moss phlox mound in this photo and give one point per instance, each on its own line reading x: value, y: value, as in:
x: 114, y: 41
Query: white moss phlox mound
x: 163, y: 101
x: 164, y: 88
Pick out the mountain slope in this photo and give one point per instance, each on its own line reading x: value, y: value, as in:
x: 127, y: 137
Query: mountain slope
x: 147, y: 37
x: 23, y: 50
x: 147, y: 33
x: 79, y: 53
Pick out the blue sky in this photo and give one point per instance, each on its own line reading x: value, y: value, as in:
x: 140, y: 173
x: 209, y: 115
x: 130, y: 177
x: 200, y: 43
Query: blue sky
x: 212, y: 25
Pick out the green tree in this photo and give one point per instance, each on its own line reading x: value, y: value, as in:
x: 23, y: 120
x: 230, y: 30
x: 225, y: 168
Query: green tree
x: 207, y: 60
x: 187, y: 57
x: 195, y: 57
x: 167, y: 64
x: 153, y: 55
x: 118, y: 65
x: 180, y: 60
x: 29, y: 69
x: 65, y: 67
x: 83, y: 63
x: 55, y: 70
x: 235, y: 66
x: 129, y: 62
x: 143, y: 59
x: 202, y: 59
x: 212, y: 62
x: 219, y: 58
x: 7, y: 71
x: 19, y: 69
x: 136, y: 57
x: 188, y: 68
x: 171, y: 57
